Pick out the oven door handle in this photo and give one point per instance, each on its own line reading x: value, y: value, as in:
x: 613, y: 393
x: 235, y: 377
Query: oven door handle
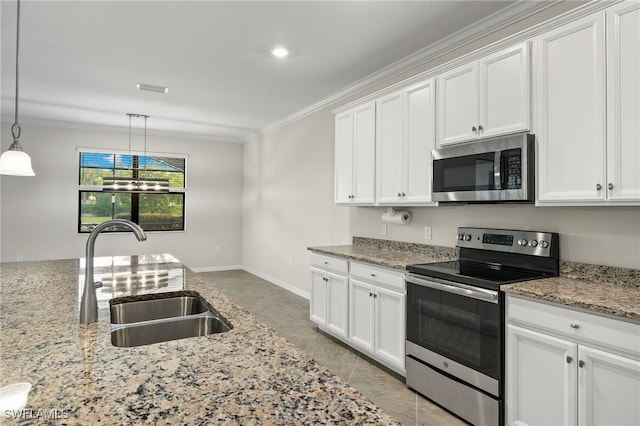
x: 456, y: 288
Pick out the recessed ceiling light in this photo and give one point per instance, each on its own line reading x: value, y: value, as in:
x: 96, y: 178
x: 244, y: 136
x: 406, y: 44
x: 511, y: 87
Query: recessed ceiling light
x: 152, y: 88
x: 279, y: 52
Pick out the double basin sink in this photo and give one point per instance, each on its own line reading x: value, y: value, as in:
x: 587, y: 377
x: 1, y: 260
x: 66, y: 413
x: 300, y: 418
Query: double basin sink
x: 154, y: 318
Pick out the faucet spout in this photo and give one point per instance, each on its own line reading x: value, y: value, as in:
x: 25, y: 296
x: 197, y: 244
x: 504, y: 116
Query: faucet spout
x: 89, y: 301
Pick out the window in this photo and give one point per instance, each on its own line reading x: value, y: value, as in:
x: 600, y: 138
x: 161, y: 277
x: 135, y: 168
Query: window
x: 153, y: 212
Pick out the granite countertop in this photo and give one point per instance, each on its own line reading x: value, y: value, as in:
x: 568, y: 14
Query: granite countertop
x: 248, y: 375
x: 601, y: 297
x: 390, y: 254
x: 602, y: 289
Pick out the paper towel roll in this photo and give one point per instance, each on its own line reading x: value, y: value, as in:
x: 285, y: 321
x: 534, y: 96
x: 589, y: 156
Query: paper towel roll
x: 391, y: 215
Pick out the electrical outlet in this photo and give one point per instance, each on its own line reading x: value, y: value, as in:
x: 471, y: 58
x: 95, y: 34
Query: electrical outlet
x: 427, y: 232
x: 19, y: 258
x: 383, y: 229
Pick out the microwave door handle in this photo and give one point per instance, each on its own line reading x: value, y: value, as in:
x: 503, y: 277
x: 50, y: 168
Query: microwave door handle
x: 497, y: 170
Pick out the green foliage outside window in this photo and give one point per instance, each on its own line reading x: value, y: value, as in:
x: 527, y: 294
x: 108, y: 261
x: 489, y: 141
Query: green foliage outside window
x: 153, y: 212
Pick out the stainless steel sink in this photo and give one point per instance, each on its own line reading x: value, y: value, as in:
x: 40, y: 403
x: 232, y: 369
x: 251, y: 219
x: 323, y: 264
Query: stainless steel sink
x: 152, y: 309
x: 148, y: 332
x: 148, y: 319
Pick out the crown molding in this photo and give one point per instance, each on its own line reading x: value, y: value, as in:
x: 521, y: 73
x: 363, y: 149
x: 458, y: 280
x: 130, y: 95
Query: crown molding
x: 502, y: 19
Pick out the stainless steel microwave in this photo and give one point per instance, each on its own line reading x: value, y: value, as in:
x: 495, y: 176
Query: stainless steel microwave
x: 495, y: 170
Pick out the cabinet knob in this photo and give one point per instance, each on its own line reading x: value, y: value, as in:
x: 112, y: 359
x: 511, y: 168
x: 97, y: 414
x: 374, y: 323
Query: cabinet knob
x: 370, y: 294
x: 569, y: 359
x: 373, y: 275
x: 610, y: 186
x: 404, y: 195
x: 473, y: 129
x: 480, y: 128
x: 399, y: 195
x: 574, y: 325
x: 598, y: 187
x: 581, y: 363
x: 375, y: 295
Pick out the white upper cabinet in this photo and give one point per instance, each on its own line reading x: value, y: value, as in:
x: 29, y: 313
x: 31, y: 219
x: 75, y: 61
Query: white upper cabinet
x: 569, y: 111
x: 355, y: 155
x: 405, y: 136
x: 587, y: 120
x: 623, y: 102
x: 485, y: 98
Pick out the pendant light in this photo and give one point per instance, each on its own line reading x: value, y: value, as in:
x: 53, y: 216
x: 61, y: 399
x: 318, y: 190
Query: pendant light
x: 135, y: 184
x: 15, y: 161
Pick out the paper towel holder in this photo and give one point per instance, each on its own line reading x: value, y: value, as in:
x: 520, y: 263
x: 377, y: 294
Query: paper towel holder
x: 391, y: 215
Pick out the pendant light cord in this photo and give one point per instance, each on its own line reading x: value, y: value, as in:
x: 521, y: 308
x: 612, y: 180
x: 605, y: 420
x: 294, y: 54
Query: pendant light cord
x: 15, y: 129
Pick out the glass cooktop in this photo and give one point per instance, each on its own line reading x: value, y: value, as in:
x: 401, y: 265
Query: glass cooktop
x: 485, y: 275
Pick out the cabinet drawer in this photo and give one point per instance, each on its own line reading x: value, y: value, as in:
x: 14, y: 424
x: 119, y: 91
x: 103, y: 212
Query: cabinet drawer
x: 579, y: 326
x: 376, y: 275
x: 330, y: 263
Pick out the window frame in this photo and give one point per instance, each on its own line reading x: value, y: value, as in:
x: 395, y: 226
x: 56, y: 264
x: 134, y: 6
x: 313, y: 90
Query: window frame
x: 135, y: 206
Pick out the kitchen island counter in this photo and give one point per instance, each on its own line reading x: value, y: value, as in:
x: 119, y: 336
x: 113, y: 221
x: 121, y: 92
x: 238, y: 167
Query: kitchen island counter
x: 248, y: 375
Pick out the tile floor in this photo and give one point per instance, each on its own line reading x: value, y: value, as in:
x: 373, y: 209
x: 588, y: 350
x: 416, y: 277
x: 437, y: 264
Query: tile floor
x: 288, y: 314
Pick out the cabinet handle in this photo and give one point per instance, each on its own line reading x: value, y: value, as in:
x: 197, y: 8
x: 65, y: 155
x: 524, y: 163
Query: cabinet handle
x: 399, y: 195
x: 480, y: 128
x: 373, y: 275
x: 404, y: 195
x: 473, y: 129
x: 574, y: 325
x: 598, y: 187
x: 610, y: 186
x: 569, y: 359
x: 326, y: 263
x: 581, y: 363
x: 370, y: 294
x: 375, y: 295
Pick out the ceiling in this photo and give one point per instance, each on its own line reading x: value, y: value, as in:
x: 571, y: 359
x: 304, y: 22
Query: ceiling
x: 80, y: 61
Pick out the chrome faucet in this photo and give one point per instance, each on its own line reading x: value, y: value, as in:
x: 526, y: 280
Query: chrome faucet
x: 89, y: 301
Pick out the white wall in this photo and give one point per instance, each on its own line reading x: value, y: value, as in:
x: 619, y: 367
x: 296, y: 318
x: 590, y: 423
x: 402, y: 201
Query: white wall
x: 39, y: 214
x: 288, y: 201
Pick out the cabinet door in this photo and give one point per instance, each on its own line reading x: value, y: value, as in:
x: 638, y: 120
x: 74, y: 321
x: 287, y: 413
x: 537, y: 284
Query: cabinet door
x: 419, y: 138
x: 318, y: 303
x: 337, y: 306
x: 570, y: 112
x: 344, y: 156
x: 540, y: 379
x: 458, y: 104
x: 389, y: 149
x: 608, y: 389
x: 364, y: 151
x: 623, y: 102
x: 390, y: 325
x: 504, y: 91
x: 361, y: 314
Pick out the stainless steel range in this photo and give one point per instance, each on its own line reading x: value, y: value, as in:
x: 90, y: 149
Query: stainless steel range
x: 455, y: 318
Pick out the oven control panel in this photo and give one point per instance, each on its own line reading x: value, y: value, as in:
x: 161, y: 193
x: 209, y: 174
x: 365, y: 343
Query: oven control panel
x: 509, y: 240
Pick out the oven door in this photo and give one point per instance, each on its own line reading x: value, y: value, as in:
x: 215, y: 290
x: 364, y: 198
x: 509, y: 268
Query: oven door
x: 456, y: 329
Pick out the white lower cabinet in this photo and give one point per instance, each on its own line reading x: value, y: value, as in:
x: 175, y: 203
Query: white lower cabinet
x: 377, y: 313
x: 361, y: 304
x: 329, y: 294
x: 556, y: 376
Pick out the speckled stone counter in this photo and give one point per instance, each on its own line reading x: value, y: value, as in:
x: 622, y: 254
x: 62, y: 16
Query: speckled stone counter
x: 616, y: 300
x: 603, y: 289
x: 391, y: 254
x: 248, y: 375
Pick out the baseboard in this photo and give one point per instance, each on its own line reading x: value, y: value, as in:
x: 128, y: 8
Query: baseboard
x: 216, y: 268
x: 279, y: 283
